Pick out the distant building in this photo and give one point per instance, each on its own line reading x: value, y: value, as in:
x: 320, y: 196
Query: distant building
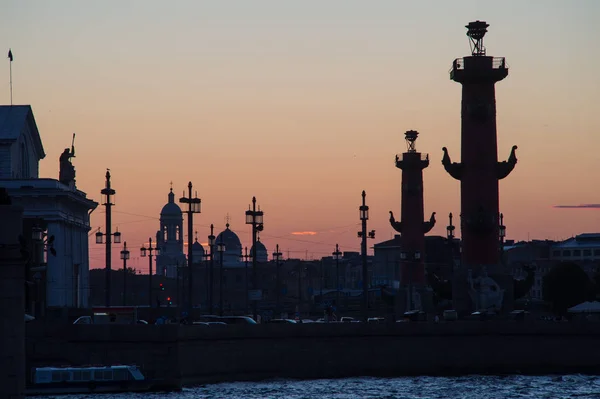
x: 261, y: 251
x: 55, y: 212
x: 170, y: 239
x: 440, y: 258
x: 232, y: 257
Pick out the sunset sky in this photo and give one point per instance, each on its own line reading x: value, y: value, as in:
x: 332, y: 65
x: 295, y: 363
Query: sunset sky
x: 304, y: 105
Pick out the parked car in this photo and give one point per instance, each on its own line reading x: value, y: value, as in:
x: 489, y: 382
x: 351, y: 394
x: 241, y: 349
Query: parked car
x: 283, y: 321
x: 236, y: 320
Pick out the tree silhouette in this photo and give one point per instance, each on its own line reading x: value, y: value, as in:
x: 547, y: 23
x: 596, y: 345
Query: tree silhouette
x: 566, y: 285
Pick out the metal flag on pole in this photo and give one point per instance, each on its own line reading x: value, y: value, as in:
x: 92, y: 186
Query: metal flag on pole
x: 10, y: 57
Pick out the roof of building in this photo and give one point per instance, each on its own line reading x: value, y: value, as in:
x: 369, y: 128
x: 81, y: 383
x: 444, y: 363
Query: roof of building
x: 586, y: 240
x: 171, y: 208
x: 230, y: 239
x: 260, y: 247
x: 197, y: 247
x: 12, y: 120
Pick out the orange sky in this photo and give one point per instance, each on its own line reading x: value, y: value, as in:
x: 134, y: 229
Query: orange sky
x: 304, y: 106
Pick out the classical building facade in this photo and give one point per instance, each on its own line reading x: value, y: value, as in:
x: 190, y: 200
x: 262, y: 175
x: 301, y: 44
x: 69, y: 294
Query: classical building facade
x: 56, y: 216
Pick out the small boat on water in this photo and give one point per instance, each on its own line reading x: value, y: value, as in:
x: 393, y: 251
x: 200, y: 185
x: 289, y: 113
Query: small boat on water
x: 67, y: 380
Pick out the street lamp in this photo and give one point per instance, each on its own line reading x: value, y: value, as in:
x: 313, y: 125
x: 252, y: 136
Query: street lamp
x: 107, y: 192
x: 277, y: 257
x: 502, y: 235
x: 148, y: 251
x: 211, y: 246
x: 364, y: 216
x: 254, y: 217
x: 337, y: 255
x: 193, y: 207
x: 125, y: 258
x: 246, y: 258
x: 450, y: 239
x: 221, y: 250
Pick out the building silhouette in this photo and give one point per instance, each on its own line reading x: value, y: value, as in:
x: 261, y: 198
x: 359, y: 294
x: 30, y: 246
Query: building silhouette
x: 169, y: 238
x: 56, y: 219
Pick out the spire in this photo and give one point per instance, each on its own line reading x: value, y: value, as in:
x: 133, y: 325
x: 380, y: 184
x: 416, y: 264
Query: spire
x: 171, y: 195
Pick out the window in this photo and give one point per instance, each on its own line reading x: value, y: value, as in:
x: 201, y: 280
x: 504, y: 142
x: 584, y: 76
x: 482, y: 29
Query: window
x: 566, y: 252
x: 587, y: 252
x: 596, y: 252
x: 556, y: 253
x: 577, y: 252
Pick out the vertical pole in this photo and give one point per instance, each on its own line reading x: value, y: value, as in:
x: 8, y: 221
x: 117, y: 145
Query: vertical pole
x: 277, y: 288
x: 10, y: 69
x: 221, y: 279
x: 211, y: 270
x: 124, y: 274
x: 150, y: 302
x: 177, y: 289
x: 365, y: 275
x: 190, y: 254
x: 337, y: 275
x: 246, y: 279
x: 108, y: 239
x: 299, y: 286
x: 253, y: 250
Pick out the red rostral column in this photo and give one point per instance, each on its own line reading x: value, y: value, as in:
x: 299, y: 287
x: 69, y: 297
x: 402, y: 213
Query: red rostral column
x: 479, y: 170
x: 412, y: 227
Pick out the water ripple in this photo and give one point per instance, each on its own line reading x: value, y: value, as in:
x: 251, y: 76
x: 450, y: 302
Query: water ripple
x: 480, y: 387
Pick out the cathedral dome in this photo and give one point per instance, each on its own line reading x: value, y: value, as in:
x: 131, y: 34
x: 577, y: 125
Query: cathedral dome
x: 196, y: 246
x: 230, y: 239
x: 171, y: 208
x: 261, y: 252
x: 197, y: 252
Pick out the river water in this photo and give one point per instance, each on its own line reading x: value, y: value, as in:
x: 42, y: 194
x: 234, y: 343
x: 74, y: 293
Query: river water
x: 480, y: 387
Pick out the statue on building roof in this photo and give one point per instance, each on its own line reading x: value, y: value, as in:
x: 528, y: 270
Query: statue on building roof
x: 67, y: 170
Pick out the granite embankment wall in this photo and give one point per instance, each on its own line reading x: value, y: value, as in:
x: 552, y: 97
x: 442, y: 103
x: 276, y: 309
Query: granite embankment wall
x: 200, y: 354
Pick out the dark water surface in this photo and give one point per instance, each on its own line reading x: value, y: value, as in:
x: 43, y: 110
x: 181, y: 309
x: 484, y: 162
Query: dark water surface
x: 484, y: 387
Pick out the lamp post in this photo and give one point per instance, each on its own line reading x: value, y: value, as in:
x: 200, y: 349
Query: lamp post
x: 277, y: 257
x: 221, y: 250
x: 193, y: 207
x: 412, y: 258
x: 211, y: 246
x: 364, y: 216
x: 107, y: 192
x: 246, y: 258
x: 125, y: 258
x: 450, y: 237
x: 41, y: 239
x: 148, y: 251
x: 337, y: 255
x: 255, y: 218
x: 502, y: 235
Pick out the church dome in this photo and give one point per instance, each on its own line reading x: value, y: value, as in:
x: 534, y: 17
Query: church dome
x: 196, y: 246
x: 261, y: 252
x: 230, y: 239
x: 197, y: 252
x: 171, y: 208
